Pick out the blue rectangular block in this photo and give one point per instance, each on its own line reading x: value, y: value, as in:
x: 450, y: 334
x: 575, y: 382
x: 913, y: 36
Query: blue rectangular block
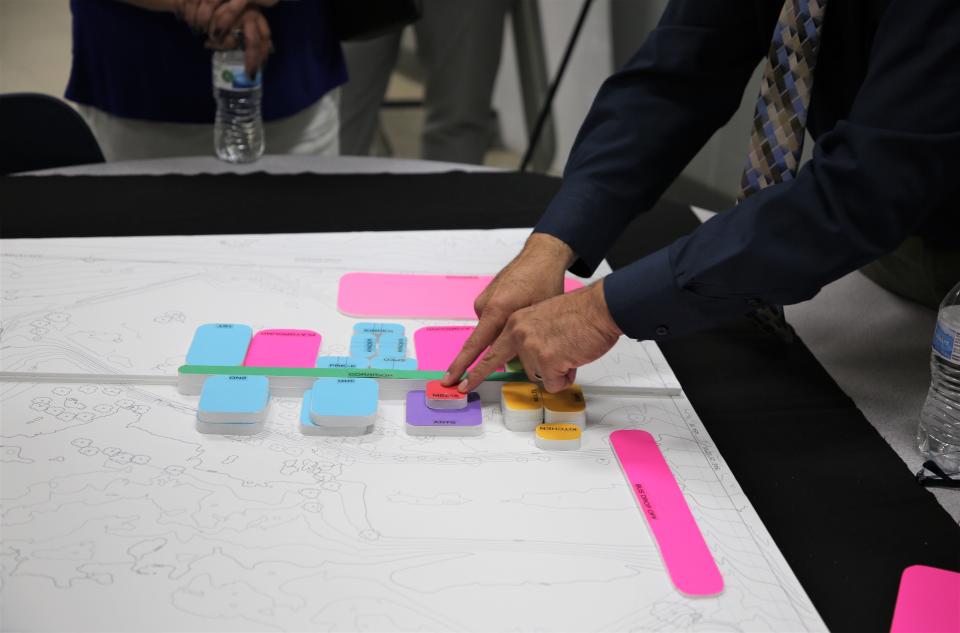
x: 339, y: 406
x: 342, y: 362
x: 307, y: 427
x: 233, y: 404
x: 305, y: 420
x: 344, y: 398
x: 390, y: 346
x: 392, y: 362
x: 379, y: 329
x: 222, y: 344
x: 363, y: 345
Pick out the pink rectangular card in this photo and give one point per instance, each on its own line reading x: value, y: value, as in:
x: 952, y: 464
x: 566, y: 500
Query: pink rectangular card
x: 283, y: 348
x: 388, y: 295
x: 689, y: 563
x: 436, y: 346
x: 928, y: 601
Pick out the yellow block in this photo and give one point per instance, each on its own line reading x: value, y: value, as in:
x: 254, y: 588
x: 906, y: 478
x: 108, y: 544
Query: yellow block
x: 522, y: 396
x: 570, y: 400
x: 558, y: 432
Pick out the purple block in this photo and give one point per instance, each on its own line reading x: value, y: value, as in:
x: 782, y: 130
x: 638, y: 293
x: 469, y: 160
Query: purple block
x: 422, y: 420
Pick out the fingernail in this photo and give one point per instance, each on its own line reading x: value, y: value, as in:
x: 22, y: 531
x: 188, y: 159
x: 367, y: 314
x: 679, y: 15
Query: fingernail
x: 462, y: 387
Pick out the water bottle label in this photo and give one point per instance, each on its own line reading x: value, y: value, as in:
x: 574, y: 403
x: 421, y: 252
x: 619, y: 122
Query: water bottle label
x: 946, y: 342
x: 234, y: 77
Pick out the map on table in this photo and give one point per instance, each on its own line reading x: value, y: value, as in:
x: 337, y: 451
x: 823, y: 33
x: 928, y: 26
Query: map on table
x: 118, y: 513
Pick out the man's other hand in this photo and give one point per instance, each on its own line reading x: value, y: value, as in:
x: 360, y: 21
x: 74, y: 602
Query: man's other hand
x: 552, y: 339
x: 533, y: 275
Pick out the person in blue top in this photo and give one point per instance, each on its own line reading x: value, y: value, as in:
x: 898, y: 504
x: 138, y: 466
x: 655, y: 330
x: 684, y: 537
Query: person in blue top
x: 141, y: 72
x: 875, y: 83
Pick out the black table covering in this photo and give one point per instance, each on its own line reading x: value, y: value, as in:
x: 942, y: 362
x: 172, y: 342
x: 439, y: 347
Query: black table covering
x: 837, y: 500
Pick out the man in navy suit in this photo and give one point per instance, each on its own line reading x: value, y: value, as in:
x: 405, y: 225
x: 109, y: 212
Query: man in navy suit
x: 877, y: 85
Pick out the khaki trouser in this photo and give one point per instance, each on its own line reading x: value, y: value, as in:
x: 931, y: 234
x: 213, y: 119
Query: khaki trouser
x: 458, y: 44
x: 917, y: 270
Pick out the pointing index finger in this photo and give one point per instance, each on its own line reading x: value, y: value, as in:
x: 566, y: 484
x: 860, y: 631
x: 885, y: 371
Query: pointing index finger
x: 489, y: 326
x: 500, y: 352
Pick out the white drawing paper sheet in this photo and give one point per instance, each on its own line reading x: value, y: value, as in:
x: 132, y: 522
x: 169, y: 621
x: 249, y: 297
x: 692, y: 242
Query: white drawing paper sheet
x: 118, y: 515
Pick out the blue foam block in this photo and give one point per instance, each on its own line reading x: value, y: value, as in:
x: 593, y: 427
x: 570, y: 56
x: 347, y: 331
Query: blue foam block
x: 363, y: 345
x: 390, y: 346
x: 344, y: 397
x: 223, y: 344
x: 342, y: 362
x: 234, y: 394
x: 305, y: 411
x: 307, y: 426
x: 392, y: 362
x: 378, y: 329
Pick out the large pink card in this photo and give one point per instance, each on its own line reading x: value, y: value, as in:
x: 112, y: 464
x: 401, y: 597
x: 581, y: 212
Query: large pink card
x: 283, y: 348
x: 928, y: 601
x: 688, y: 560
x: 388, y: 295
x: 437, y: 346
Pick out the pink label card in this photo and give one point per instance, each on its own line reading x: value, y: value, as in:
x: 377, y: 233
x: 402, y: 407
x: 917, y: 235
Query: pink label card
x: 689, y: 563
x: 414, y: 296
x: 437, y: 346
x: 283, y: 348
x: 928, y: 601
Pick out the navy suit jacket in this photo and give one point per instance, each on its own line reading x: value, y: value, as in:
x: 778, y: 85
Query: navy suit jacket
x: 885, y: 114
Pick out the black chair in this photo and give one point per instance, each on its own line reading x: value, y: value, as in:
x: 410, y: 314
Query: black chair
x: 41, y: 132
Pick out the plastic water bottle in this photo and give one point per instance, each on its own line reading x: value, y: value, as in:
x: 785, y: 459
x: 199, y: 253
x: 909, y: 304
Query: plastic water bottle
x: 238, y: 130
x: 939, y: 434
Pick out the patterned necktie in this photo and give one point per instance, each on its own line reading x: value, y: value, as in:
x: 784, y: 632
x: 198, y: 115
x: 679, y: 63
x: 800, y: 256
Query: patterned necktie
x: 776, y: 140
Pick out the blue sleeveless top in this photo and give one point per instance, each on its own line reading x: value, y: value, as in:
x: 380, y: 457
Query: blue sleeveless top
x: 142, y: 64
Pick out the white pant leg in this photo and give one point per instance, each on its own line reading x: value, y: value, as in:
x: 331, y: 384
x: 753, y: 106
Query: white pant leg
x: 313, y: 130
x: 121, y: 138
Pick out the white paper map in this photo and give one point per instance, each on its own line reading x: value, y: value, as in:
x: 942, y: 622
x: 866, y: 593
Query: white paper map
x: 118, y: 515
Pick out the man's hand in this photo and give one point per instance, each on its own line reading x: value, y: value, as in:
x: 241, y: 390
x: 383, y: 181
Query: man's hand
x: 229, y: 13
x: 223, y: 21
x: 257, y: 42
x: 215, y: 17
x: 552, y: 338
x: 533, y: 275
